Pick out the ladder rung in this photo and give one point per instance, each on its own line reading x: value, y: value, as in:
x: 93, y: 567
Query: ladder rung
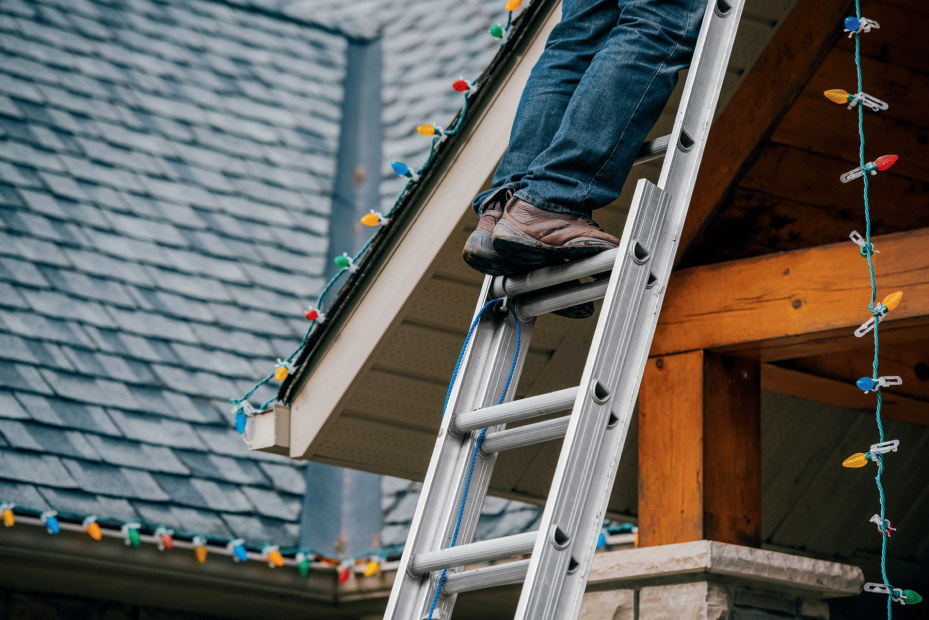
x: 653, y: 149
x: 512, y: 438
x: 486, y: 577
x: 550, y: 276
x: 483, y: 551
x: 531, y: 407
x: 549, y: 302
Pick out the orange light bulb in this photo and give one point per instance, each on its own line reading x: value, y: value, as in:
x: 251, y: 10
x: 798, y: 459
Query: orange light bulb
x: 859, y: 459
x: 837, y: 95
x: 426, y: 130
x: 371, y: 219
x: 512, y: 5
x: 94, y: 531
x: 893, y: 300
x: 281, y: 373
x: 275, y: 558
x: 9, y: 519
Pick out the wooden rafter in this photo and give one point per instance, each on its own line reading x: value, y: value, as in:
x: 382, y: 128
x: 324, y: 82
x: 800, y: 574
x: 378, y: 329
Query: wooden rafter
x: 770, y: 87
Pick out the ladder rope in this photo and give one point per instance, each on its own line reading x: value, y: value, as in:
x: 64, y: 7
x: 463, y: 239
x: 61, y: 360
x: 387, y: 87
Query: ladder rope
x: 480, y: 438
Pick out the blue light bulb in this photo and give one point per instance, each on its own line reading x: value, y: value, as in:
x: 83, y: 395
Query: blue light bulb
x: 240, y: 421
x: 240, y: 553
x: 866, y: 384
x: 51, y: 524
x: 601, y: 541
x: 852, y: 24
x: 401, y: 169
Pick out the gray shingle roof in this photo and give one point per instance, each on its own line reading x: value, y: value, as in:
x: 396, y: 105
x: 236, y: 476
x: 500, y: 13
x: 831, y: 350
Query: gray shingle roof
x: 166, y: 173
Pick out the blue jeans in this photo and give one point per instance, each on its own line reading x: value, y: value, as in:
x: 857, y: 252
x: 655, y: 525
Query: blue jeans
x: 607, y: 71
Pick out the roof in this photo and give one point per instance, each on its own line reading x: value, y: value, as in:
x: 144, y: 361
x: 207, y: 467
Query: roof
x: 166, y: 178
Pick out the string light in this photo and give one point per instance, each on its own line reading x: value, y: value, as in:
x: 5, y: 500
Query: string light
x: 880, y: 164
x: 236, y: 547
x: 904, y: 597
x: 372, y: 568
x: 243, y: 411
x: 840, y: 96
x: 92, y: 528
x: 865, y: 249
x: 512, y: 5
x: 200, y: 550
x: 880, y: 311
x: 50, y: 520
x: 402, y: 170
x: 883, y: 528
x: 462, y: 85
x: 344, y: 261
x: 315, y: 314
x: 131, y: 535
x: 496, y: 31
x: 857, y: 25
x: 344, y: 572
x: 867, y: 384
x: 273, y: 555
x: 9, y: 518
x: 430, y: 131
x: 283, y: 370
x: 601, y: 541
x: 860, y: 459
x: 303, y: 564
x: 373, y: 218
x: 165, y: 538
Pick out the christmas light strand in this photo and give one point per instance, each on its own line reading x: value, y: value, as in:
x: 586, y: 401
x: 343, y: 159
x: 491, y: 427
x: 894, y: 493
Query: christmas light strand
x: 242, y: 410
x: 134, y: 534
x: 855, y: 26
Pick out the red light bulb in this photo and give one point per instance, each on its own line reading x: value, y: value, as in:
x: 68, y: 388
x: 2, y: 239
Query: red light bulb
x: 461, y: 86
x: 885, y: 161
x: 312, y: 314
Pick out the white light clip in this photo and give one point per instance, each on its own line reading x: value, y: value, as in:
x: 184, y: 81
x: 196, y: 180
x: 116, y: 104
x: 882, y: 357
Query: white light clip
x: 864, y: 25
x: 883, y: 448
x: 861, y: 242
x: 868, y: 101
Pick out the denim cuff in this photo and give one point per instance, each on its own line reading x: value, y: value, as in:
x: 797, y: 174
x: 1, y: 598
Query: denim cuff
x: 479, y: 203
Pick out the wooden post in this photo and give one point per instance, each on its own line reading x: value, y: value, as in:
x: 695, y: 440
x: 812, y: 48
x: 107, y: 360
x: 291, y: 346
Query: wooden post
x: 700, y: 450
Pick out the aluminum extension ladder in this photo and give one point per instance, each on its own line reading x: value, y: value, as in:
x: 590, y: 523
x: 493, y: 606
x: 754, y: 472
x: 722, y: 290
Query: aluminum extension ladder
x: 555, y: 576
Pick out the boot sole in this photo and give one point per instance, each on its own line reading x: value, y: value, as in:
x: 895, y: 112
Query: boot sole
x: 479, y: 254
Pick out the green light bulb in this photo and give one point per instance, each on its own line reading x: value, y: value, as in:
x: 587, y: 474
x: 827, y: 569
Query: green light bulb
x: 911, y: 597
x: 342, y: 262
x: 496, y: 31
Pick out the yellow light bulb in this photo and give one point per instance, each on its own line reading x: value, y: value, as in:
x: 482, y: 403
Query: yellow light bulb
x: 372, y: 569
x: 837, y: 95
x: 371, y: 219
x: 426, y: 130
x: 893, y: 300
x: 93, y: 530
x: 859, y: 459
x: 201, y: 554
x: 8, y: 517
x: 281, y: 373
x: 512, y: 5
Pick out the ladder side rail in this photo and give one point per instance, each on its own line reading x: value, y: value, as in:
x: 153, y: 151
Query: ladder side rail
x: 678, y: 176
x: 480, y: 380
x: 555, y: 556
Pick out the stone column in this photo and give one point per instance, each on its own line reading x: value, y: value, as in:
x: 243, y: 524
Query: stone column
x: 708, y: 580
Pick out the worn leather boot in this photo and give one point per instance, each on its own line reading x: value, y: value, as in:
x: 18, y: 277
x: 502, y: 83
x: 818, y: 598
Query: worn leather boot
x: 479, y: 251
x: 533, y: 236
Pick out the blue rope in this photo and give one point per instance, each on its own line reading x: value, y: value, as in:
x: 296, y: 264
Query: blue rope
x: 868, y: 255
x: 480, y: 438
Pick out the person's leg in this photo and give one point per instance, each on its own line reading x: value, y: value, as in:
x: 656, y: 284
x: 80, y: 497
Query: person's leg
x: 613, y: 107
x: 571, y: 46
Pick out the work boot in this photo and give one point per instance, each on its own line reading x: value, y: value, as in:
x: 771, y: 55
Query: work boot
x: 479, y: 251
x: 531, y: 236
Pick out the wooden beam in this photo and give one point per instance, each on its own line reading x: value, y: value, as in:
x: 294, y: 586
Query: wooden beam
x: 700, y: 450
x: 794, y: 304
x: 841, y: 394
x: 767, y: 91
